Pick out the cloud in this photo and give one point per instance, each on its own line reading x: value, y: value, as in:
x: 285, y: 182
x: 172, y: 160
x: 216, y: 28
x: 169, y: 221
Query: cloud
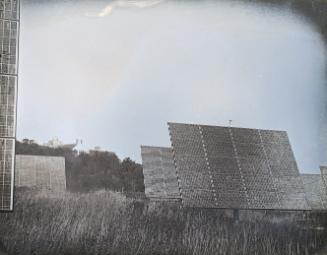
x: 137, y: 3
x: 123, y: 4
x: 106, y: 11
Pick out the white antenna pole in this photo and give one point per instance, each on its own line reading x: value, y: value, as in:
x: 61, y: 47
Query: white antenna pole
x: 230, y: 123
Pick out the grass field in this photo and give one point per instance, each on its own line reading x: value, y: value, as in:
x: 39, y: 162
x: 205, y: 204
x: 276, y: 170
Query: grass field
x: 107, y: 223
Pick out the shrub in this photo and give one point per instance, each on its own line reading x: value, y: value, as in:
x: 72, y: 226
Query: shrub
x: 105, y: 222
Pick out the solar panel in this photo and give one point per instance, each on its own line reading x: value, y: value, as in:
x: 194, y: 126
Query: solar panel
x: 9, y: 9
x: 7, y: 149
x: 315, y: 190
x: 160, y: 179
x: 227, y: 167
x: 9, y: 28
x: 292, y: 193
x: 8, y: 85
x: 41, y: 172
x: 195, y: 178
x: 323, y: 170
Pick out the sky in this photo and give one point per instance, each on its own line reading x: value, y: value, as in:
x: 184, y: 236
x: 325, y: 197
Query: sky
x: 113, y: 73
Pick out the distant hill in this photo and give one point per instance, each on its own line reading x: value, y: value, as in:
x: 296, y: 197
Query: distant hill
x: 92, y: 170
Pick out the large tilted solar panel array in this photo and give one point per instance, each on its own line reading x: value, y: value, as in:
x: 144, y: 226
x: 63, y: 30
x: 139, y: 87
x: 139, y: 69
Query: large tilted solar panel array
x: 9, y: 29
x: 159, y: 172
x: 40, y: 172
x: 225, y: 167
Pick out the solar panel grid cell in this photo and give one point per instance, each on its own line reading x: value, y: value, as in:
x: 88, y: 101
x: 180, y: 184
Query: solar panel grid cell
x: 8, y: 9
x: 8, y: 39
x: 225, y: 171
x: 292, y: 192
x: 7, y: 148
x: 281, y: 159
x: 274, y: 136
x: 42, y: 176
x: 198, y: 198
x: 7, y: 106
x: 257, y: 174
x: 246, y: 136
x: 192, y: 174
x: 255, y: 166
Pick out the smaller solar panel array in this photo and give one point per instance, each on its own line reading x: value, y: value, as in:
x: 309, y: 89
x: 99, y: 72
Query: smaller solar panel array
x: 9, y: 29
x: 315, y: 186
x: 41, y: 172
x: 315, y: 191
x: 159, y: 173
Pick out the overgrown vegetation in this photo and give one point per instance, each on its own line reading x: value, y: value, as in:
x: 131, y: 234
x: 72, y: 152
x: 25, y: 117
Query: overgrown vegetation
x: 104, y: 222
x: 92, y: 170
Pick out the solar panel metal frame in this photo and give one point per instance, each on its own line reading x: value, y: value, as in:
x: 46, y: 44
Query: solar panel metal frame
x: 241, y: 154
x: 9, y: 39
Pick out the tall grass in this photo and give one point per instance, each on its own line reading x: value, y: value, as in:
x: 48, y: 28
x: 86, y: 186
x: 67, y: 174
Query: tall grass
x: 108, y: 223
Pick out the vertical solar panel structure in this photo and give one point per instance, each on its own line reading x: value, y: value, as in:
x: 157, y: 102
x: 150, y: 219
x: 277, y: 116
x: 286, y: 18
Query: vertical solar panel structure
x: 160, y: 179
x: 227, y: 167
x: 9, y: 30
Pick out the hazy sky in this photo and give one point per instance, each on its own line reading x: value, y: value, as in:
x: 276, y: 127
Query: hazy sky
x: 113, y: 73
